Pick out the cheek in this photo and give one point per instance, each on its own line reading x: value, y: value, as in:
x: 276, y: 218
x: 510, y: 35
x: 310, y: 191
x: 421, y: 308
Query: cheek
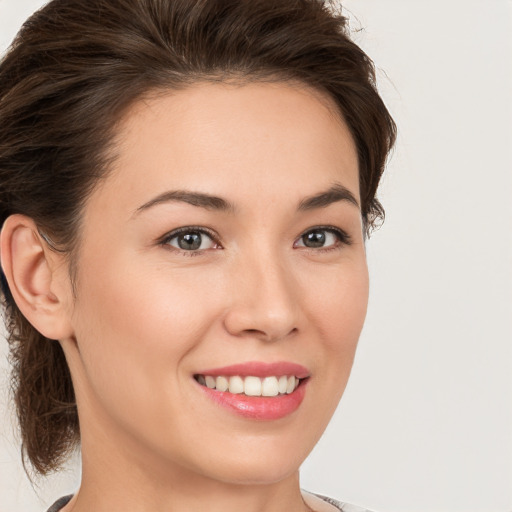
x: 134, y: 327
x: 337, y: 299
x: 338, y: 310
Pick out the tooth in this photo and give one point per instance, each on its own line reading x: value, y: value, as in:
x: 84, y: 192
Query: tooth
x: 210, y: 381
x: 269, y: 386
x: 252, y: 386
x: 221, y: 383
x: 283, y: 384
x: 236, y: 385
x: 291, y: 385
x: 201, y: 380
x: 297, y: 382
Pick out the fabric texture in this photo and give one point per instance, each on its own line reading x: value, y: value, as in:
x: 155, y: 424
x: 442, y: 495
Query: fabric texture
x: 344, y: 507
x: 60, y: 503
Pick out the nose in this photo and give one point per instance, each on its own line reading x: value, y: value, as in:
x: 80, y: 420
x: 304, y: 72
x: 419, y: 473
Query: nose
x: 264, y: 300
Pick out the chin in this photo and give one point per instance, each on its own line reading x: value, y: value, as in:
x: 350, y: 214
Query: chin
x: 250, y: 473
x: 259, y: 466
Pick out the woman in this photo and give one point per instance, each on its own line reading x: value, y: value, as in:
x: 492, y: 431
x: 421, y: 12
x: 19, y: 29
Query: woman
x: 187, y: 187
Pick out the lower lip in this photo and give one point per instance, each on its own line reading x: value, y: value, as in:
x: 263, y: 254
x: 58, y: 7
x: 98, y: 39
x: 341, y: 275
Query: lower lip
x: 258, y: 407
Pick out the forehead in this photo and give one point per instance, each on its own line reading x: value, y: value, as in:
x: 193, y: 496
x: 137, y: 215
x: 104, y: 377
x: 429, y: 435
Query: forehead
x: 257, y: 136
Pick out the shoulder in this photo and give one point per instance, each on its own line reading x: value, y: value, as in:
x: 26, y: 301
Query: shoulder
x: 344, y: 507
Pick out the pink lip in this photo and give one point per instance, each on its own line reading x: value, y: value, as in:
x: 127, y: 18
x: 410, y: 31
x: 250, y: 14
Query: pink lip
x: 259, y: 369
x: 256, y: 407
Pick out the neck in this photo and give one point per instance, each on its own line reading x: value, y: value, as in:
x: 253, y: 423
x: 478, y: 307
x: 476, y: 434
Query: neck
x: 116, y: 476
x: 102, y: 495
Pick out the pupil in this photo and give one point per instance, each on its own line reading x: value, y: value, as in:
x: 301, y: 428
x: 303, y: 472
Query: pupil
x: 190, y: 241
x: 314, y: 239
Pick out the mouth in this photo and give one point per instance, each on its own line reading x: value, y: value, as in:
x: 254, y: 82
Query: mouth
x: 251, y: 385
x: 256, y: 390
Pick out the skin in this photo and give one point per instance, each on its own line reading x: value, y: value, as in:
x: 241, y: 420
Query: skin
x: 147, y: 315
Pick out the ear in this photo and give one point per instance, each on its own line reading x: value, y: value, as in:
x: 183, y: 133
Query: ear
x: 37, y: 277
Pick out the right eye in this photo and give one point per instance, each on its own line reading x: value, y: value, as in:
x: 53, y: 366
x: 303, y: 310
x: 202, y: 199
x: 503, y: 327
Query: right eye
x: 190, y: 240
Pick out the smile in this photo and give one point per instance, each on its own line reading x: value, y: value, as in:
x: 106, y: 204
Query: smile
x: 251, y: 385
x: 256, y: 390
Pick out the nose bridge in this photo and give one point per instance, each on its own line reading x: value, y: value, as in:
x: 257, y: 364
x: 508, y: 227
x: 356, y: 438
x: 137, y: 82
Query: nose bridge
x: 264, y: 299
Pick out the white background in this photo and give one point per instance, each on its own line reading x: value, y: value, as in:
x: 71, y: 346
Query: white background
x: 426, y: 422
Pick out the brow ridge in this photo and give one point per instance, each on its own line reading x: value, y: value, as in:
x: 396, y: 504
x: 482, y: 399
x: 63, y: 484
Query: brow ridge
x: 337, y: 192
x: 199, y: 199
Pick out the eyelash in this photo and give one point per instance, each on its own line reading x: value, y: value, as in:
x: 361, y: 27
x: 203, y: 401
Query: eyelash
x: 343, y: 237
x: 188, y: 229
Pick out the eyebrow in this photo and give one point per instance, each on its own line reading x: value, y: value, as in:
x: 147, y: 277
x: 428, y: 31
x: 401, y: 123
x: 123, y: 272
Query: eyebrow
x: 321, y: 200
x: 334, y: 194
x: 194, y: 198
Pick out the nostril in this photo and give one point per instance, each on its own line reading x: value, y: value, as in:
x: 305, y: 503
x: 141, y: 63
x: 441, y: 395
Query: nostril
x: 268, y: 335
x: 254, y: 331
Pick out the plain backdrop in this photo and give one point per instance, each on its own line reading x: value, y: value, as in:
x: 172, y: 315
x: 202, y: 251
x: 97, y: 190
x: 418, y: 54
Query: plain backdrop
x: 426, y: 421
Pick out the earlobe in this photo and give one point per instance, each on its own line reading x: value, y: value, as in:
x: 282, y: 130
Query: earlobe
x: 33, y: 274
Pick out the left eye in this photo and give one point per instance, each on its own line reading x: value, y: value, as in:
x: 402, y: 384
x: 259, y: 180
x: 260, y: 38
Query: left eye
x: 191, y: 240
x: 319, y: 238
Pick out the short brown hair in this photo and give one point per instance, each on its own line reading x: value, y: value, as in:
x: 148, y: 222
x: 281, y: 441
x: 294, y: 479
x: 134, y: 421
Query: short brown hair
x: 75, y: 67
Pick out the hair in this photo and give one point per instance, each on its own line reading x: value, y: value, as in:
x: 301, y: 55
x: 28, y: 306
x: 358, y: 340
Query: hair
x: 70, y: 74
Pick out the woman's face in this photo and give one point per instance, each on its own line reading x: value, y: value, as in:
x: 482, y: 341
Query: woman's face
x: 226, y: 243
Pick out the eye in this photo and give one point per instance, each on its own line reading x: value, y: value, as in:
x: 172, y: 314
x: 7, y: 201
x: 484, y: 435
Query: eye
x: 323, y: 238
x: 190, y: 239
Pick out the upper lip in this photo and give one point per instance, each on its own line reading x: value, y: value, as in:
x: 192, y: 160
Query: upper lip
x: 259, y: 369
